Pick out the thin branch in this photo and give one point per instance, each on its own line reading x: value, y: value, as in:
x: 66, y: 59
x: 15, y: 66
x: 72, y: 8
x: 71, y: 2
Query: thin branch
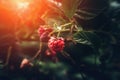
x: 8, y: 56
x: 39, y: 51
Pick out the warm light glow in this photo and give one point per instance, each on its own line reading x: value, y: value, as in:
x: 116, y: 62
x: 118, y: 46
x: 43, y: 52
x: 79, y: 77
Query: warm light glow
x: 17, y: 6
x: 23, y: 5
x: 24, y: 12
x: 55, y: 2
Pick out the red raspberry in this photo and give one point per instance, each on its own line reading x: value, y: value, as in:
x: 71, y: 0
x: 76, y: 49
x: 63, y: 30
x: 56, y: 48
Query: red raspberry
x: 56, y: 44
x: 44, y: 32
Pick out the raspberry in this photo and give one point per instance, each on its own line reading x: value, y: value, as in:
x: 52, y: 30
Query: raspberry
x: 44, y: 32
x: 56, y: 44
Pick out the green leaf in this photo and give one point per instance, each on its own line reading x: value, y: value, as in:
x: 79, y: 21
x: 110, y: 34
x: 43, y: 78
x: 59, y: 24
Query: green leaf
x: 87, y: 38
x: 69, y: 7
x: 89, y: 9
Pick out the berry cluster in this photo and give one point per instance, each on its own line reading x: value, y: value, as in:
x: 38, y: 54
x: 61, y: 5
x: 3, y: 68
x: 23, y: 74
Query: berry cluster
x: 55, y: 44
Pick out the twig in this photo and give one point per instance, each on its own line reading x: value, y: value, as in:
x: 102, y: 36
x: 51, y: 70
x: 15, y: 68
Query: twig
x: 39, y: 51
x: 8, y: 56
